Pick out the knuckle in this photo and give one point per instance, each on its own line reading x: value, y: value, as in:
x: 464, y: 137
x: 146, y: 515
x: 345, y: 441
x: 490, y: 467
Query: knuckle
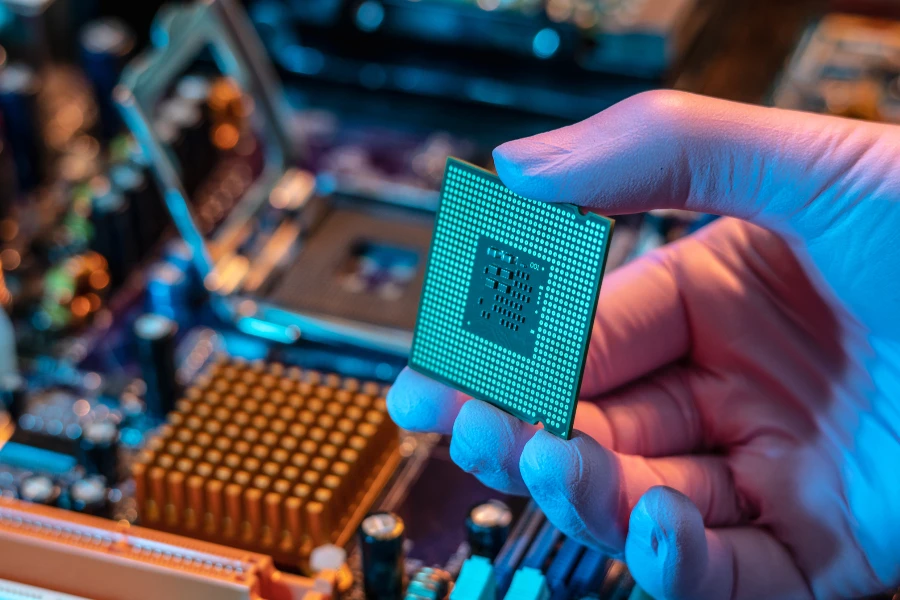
x: 667, y: 112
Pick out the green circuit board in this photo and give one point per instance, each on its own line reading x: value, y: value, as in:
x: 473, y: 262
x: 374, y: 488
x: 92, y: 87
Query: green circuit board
x: 509, y: 297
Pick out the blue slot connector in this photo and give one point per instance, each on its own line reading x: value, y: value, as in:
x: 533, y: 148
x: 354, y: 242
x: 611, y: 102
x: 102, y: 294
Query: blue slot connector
x: 476, y: 581
x: 562, y: 567
x: 528, y: 584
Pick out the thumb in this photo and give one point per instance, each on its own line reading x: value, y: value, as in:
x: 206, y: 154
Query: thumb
x: 667, y: 149
x: 673, y: 557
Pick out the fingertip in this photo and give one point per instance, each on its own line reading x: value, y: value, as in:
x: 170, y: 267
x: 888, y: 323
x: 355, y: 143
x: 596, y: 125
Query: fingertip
x: 667, y: 548
x: 419, y: 403
x: 508, y: 162
x: 527, y: 167
x: 576, y: 483
x: 542, y: 455
x: 487, y: 442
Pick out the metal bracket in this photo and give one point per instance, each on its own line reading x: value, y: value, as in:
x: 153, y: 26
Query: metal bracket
x: 179, y: 34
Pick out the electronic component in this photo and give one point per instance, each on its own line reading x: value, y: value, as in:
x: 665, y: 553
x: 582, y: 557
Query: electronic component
x: 476, y: 581
x: 358, y: 254
x: 845, y: 65
x: 564, y: 563
x: 487, y: 528
x: 147, y: 209
x: 16, y: 591
x: 505, y: 53
x: 269, y: 458
x: 96, y: 558
x: 381, y: 538
x: 8, y: 192
x: 19, y: 88
x: 589, y: 572
x: 310, y: 288
x: 114, y: 228
x: 155, y: 335
x: 89, y: 496
x: 618, y: 584
x: 31, y: 459
x: 52, y: 420
x: 39, y: 489
x: 106, y: 45
x: 13, y: 395
x: 570, y: 569
x: 305, y: 222
x: 100, y: 448
x: 509, y: 297
x: 528, y: 584
x: 429, y: 584
x: 189, y: 138
x: 73, y: 292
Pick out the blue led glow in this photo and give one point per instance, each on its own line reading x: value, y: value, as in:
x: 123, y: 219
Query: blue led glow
x: 545, y: 43
x: 369, y: 15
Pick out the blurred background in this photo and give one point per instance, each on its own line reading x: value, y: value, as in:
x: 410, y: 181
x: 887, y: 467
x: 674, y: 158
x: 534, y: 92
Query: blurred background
x: 117, y: 311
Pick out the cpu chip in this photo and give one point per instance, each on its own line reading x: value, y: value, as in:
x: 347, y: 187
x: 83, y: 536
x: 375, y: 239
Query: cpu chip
x: 509, y: 297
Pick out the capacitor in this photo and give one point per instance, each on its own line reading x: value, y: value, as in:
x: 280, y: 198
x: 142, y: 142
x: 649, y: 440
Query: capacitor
x: 381, y: 538
x: 148, y: 213
x: 39, y: 489
x: 195, y: 153
x: 89, y: 495
x: 8, y: 176
x: 429, y: 584
x: 167, y: 292
x: 100, y: 448
x: 106, y: 45
x: 19, y: 88
x: 114, y: 235
x: 487, y: 527
x: 155, y: 336
x: 13, y: 395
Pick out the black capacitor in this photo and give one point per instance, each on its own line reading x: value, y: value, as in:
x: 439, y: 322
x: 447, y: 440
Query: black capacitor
x: 39, y: 489
x: 114, y: 235
x: 487, y: 527
x: 13, y: 395
x: 381, y: 538
x: 429, y: 584
x: 8, y: 176
x: 155, y: 336
x: 195, y: 154
x: 106, y: 46
x: 19, y: 88
x: 147, y: 212
x: 174, y: 140
x: 89, y: 496
x: 100, y: 448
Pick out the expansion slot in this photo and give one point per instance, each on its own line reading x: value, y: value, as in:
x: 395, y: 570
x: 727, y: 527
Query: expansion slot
x: 103, y: 560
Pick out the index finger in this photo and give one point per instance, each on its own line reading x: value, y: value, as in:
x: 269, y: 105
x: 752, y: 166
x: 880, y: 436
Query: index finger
x: 418, y: 403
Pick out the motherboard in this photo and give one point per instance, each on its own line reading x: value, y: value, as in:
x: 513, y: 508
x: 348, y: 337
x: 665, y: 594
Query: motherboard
x: 214, y: 263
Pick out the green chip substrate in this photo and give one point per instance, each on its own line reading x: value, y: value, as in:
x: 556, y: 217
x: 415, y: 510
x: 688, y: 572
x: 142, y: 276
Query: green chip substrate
x: 509, y: 297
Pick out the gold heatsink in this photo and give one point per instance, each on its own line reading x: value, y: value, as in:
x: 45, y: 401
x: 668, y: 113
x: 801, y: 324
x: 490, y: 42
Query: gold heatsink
x: 273, y: 459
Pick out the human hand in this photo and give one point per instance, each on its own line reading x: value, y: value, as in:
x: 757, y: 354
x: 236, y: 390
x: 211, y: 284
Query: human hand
x: 754, y: 367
